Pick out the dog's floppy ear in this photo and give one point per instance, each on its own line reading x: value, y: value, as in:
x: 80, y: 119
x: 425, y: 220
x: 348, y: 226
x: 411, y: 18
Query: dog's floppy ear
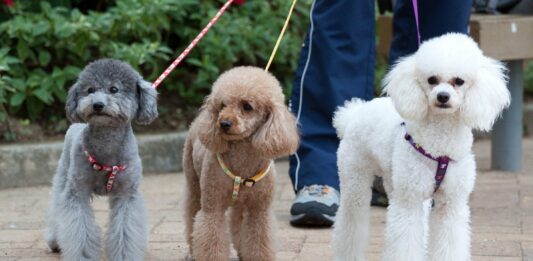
x: 71, y: 104
x: 147, y: 95
x: 402, y: 86
x: 487, y: 97
x: 209, y: 133
x: 278, y: 136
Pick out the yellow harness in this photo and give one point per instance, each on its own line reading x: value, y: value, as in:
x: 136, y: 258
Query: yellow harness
x: 238, y: 180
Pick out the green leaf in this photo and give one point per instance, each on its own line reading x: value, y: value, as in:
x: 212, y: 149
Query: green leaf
x: 4, y: 51
x: 44, y: 95
x: 22, y: 49
x: 40, y: 28
x: 44, y: 57
x: 64, y: 29
x: 71, y: 71
x: 17, y: 99
x: 19, y: 84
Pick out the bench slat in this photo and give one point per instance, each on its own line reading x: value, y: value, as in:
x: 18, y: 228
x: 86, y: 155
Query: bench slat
x: 504, y: 37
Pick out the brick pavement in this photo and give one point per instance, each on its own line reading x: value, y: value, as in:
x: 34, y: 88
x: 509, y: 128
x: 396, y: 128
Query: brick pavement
x: 502, y: 218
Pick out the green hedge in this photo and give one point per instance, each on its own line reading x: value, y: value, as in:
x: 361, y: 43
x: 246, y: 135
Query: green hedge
x: 528, y: 84
x: 46, y: 43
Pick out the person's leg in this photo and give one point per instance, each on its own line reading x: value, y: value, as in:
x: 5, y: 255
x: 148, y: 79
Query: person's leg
x: 336, y: 64
x: 435, y: 18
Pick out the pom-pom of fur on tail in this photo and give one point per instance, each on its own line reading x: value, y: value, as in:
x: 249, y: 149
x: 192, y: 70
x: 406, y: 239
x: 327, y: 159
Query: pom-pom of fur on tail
x: 343, y: 114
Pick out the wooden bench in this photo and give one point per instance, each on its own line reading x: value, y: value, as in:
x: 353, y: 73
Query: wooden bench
x: 507, y: 38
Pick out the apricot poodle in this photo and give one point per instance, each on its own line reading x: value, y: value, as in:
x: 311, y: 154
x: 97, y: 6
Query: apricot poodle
x: 242, y: 126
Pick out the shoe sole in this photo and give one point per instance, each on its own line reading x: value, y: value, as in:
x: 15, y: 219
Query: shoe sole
x: 312, y: 214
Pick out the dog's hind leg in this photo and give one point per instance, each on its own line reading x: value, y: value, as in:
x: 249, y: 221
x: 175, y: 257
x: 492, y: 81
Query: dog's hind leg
x: 127, y: 235
x: 192, y: 194
x: 350, y: 234
x: 77, y: 233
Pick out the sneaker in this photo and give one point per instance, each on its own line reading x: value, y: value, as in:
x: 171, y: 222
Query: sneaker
x: 379, y: 196
x: 379, y: 199
x: 315, y: 206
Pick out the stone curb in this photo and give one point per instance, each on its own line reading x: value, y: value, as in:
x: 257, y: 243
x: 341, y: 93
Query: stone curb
x: 24, y: 165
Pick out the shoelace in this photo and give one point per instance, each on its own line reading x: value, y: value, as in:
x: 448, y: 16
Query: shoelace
x: 317, y: 190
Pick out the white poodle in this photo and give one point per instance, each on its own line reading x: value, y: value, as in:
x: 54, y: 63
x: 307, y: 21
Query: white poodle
x: 437, y: 96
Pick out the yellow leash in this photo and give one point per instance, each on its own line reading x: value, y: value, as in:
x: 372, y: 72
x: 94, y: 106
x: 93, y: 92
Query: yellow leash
x: 281, y: 35
x: 250, y: 182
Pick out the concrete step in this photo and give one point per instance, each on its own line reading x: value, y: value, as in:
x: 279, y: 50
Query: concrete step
x: 35, y: 164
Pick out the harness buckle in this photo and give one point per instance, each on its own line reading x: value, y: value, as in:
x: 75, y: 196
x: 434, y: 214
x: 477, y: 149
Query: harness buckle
x: 248, y: 182
x: 97, y: 167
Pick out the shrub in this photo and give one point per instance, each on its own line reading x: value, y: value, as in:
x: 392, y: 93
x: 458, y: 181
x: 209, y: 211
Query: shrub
x: 45, y: 44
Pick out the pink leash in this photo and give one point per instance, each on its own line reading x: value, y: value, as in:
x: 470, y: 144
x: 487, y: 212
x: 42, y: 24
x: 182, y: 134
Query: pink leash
x: 192, y: 44
x: 415, y: 10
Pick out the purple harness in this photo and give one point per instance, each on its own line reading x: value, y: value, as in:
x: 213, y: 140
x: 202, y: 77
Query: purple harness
x: 442, y: 161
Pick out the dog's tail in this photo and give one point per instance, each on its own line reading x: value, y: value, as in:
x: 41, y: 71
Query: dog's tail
x: 343, y: 114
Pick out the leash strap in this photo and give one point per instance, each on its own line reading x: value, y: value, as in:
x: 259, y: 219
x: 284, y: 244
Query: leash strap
x: 236, y: 187
x: 415, y: 10
x: 191, y: 45
x: 441, y: 171
x: 280, y: 37
x: 112, y: 170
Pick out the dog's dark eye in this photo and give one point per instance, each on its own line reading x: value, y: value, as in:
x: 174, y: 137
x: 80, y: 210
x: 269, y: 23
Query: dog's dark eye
x: 433, y: 80
x: 90, y: 90
x: 247, y: 107
x: 113, y: 89
x: 458, y: 81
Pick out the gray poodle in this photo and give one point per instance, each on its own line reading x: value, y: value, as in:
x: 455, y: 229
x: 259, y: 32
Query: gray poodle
x: 100, y: 157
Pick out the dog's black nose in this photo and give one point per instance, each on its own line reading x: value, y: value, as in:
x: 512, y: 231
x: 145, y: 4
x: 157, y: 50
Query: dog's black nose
x: 225, y: 125
x: 98, y: 106
x: 443, y: 97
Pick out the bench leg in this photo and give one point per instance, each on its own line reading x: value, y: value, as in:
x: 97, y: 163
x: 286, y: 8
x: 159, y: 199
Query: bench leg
x: 507, y: 132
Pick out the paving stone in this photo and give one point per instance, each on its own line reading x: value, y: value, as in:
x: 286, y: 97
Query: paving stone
x: 497, y: 248
x: 502, y: 219
x: 23, y: 252
x: 315, y: 251
x: 527, y: 250
x: 10, y: 245
x: 497, y: 258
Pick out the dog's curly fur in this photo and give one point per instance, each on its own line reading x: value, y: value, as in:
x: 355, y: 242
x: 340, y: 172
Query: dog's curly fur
x: 373, y: 143
x: 107, y: 135
x: 262, y: 128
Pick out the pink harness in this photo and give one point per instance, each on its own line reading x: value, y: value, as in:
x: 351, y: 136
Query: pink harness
x: 112, y: 170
